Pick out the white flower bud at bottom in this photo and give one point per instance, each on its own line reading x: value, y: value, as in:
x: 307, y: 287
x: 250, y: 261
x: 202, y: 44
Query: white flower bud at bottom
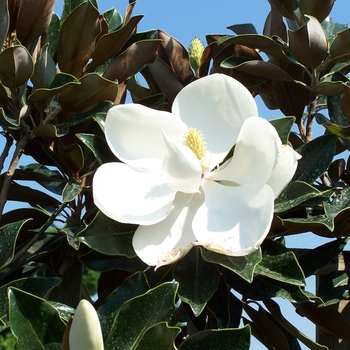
x: 85, y: 332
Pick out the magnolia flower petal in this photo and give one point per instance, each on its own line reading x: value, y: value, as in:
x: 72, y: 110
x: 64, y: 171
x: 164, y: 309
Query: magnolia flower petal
x: 255, y: 156
x: 181, y: 167
x: 134, y: 134
x: 129, y: 196
x: 217, y: 105
x: 85, y: 331
x: 234, y: 220
x: 171, y: 239
x: 284, y: 169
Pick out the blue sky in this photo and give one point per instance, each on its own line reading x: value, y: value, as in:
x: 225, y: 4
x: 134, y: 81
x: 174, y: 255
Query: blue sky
x: 186, y: 19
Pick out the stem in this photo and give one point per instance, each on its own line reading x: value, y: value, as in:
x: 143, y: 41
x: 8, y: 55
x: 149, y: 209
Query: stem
x: 5, y: 152
x: 51, y: 116
x: 24, y: 139
x: 48, y: 222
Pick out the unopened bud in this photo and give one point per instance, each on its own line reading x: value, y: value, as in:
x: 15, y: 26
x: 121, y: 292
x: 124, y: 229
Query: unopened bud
x: 85, y: 332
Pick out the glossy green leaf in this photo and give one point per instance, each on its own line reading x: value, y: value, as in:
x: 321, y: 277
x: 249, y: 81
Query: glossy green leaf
x: 295, y: 193
x: 33, y: 332
x: 142, y: 312
x: 316, y: 258
x: 52, y: 34
x: 16, y: 66
x: 243, y: 266
x: 283, y: 127
x: 230, y: 339
x: 101, y: 262
x: 334, y: 287
x: 8, y: 236
x: 38, y: 286
x: 108, y: 236
x: 279, y: 263
x: 198, y: 280
x: 114, y: 19
x: 4, y: 21
x: 97, y: 145
x: 160, y: 335
x: 70, y: 191
x: 317, y: 155
x: 262, y: 288
x: 50, y: 130
x: 131, y: 287
x: 225, y: 306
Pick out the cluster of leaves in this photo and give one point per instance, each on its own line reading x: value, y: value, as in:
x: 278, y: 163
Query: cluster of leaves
x: 59, y: 76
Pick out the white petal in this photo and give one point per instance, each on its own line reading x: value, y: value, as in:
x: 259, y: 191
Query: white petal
x: 85, y: 332
x: 181, y: 167
x: 284, y: 169
x: 129, y: 196
x: 170, y: 240
x: 255, y: 155
x: 234, y: 220
x: 217, y: 105
x: 134, y: 134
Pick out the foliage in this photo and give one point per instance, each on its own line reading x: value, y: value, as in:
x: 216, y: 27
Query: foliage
x: 60, y: 75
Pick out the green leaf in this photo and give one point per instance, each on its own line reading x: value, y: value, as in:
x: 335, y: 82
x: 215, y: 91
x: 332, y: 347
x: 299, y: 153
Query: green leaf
x: 226, y: 307
x: 283, y: 127
x: 8, y: 236
x: 52, y: 33
x: 142, y: 312
x: 114, y: 19
x: 44, y: 70
x: 131, y: 287
x: 295, y: 193
x: 317, y: 155
x: 108, y: 236
x: 100, y: 262
x: 160, y: 336
x: 70, y: 5
x: 334, y: 287
x: 97, y: 145
x: 33, y: 332
x: 198, y: 280
x: 230, y: 339
x: 38, y: 286
x: 243, y: 266
x: 317, y: 258
x: 262, y: 288
x: 70, y: 191
x: 280, y: 263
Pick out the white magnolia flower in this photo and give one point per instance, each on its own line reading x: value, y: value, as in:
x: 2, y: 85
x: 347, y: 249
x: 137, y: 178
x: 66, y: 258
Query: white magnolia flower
x: 170, y: 182
x: 85, y: 332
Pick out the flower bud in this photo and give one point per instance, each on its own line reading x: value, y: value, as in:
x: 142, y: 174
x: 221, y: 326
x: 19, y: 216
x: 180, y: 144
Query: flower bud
x: 195, y: 52
x: 85, y: 332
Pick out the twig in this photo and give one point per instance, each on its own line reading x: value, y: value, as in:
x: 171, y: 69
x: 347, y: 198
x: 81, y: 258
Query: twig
x: 6, y: 150
x: 24, y: 139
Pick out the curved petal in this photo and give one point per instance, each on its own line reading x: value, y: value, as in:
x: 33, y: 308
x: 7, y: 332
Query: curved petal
x: 134, y: 134
x: 171, y: 239
x: 130, y: 196
x: 181, y: 167
x: 234, y: 220
x: 284, y: 170
x: 217, y: 105
x: 255, y: 156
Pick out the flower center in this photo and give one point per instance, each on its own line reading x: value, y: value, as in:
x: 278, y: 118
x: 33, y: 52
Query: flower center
x: 194, y: 140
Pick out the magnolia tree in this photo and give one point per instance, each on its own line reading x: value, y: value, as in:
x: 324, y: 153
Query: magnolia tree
x: 179, y: 201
